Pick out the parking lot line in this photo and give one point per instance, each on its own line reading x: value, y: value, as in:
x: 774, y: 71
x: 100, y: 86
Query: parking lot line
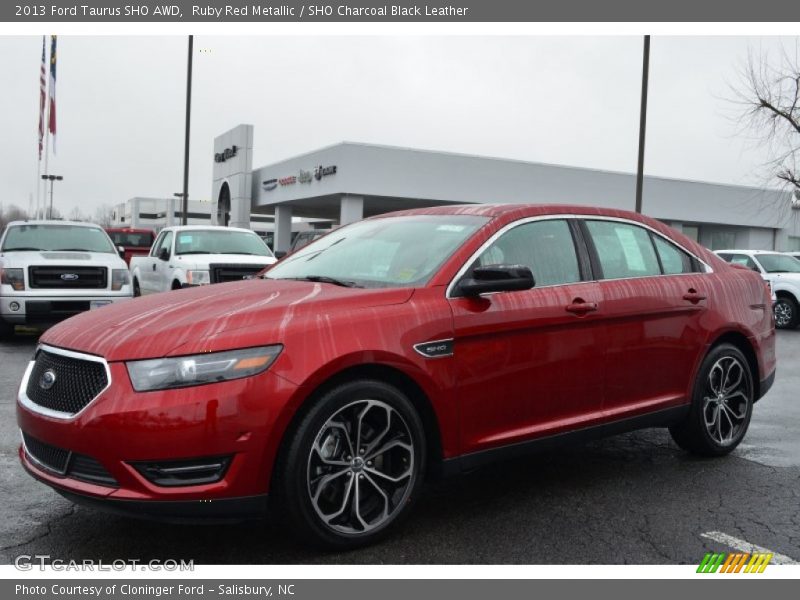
x: 744, y: 546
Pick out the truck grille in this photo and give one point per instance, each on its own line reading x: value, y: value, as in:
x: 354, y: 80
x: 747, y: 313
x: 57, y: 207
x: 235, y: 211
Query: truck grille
x: 68, y: 278
x: 223, y: 273
x: 76, y: 382
x: 70, y: 464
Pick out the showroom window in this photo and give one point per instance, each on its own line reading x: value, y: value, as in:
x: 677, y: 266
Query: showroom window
x: 722, y: 240
x: 623, y: 250
x: 546, y: 247
x: 794, y: 243
x: 674, y: 261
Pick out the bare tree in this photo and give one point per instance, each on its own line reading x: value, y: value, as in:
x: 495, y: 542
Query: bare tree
x: 769, y: 97
x: 104, y: 215
x: 76, y: 214
x: 10, y: 213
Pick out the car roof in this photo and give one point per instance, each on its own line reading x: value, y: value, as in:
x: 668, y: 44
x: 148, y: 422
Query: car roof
x: 512, y: 211
x: 734, y: 251
x: 129, y: 230
x: 206, y: 228
x: 54, y: 222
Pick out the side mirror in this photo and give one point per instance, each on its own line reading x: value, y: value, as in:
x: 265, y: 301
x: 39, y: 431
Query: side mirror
x: 497, y: 278
x: 164, y: 254
x: 121, y: 251
x: 280, y: 254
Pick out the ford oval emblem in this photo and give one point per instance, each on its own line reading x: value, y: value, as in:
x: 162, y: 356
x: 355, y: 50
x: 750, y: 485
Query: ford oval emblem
x: 47, y: 380
x: 69, y: 276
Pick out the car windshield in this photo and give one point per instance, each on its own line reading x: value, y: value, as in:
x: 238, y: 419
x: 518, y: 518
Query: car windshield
x: 220, y: 241
x: 389, y: 252
x: 130, y: 239
x: 779, y: 263
x: 57, y: 237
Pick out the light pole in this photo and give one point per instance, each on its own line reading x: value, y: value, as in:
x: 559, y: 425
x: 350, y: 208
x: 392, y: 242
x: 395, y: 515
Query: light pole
x: 185, y: 195
x: 642, y: 122
x: 52, y: 179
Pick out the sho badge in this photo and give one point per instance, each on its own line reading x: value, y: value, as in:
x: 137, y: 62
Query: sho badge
x: 47, y: 380
x: 435, y: 349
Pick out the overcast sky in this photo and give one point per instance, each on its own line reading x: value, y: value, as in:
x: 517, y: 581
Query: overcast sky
x: 566, y: 100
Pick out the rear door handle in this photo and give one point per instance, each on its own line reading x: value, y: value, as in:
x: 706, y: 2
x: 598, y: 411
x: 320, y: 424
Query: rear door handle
x: 694, y: 296
x: 579, y: 307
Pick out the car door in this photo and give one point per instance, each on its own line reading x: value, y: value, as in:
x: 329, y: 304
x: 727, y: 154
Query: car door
x: 146, y: 270
x: 529, y: 363
x: 654, y: 298
x: 162, y: 269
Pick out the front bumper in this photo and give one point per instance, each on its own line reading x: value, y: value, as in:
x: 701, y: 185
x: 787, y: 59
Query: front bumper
x: 243, y: 419
x: 33, y: 310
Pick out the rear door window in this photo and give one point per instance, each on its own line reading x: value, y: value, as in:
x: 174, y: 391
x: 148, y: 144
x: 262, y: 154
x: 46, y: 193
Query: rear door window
x: 623, y: 250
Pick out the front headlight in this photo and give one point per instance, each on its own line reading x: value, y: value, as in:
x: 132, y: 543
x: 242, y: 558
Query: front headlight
x: 14, y: 278
x: 166, y: 373
x: 198, y: 277
x: 120, y: 278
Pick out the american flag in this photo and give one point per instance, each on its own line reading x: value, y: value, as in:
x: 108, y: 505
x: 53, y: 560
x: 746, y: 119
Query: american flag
x: 52, y: 89
x: 42, y: 99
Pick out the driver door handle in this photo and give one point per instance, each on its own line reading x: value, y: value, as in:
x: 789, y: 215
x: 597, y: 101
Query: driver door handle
x: 694, y: 296
x: 154, y: 266
x: 580, y: 307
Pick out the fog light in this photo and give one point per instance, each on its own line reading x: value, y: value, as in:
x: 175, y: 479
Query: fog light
x: 195, y: 471
x: 14, y: 306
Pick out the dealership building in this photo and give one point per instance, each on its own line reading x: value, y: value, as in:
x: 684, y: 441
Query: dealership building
x: 349, y: 181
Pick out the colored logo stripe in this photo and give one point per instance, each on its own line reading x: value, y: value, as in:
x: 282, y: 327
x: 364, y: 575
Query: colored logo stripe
x: 734, y: 563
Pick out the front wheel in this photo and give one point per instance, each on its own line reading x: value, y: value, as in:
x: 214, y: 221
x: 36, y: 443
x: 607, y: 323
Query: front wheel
x: 786, y: 313
x: 722, y: 404
x: 353, y: 467
x: 137, y: 291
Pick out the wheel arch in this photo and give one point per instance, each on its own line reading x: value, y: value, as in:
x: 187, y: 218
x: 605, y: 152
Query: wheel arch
x: 382, y: 372
x: 740, y: 340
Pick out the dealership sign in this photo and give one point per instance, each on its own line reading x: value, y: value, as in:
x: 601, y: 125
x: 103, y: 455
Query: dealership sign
x: 226, y: 154
x: 302, y: 177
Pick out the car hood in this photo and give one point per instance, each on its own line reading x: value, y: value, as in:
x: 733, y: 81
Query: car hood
x: 182, y: 321
x: 70, y: 259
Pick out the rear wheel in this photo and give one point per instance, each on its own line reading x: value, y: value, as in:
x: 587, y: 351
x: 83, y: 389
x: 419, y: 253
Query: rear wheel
x: 6, y: 330
x: 136, y: 290
x: 722, y: 404
x: 787, y: 315
x: 353, y: 467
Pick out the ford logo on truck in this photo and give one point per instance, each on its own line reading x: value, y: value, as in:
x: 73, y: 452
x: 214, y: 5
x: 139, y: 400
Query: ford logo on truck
x: 69, y: 276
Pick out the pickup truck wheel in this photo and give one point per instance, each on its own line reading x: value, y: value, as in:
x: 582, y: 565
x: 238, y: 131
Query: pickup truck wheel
x: 787, y: 315
x: 6, y: 330
x: 722, y: 404
x: 176, y: 285
x: 136, y: 290
x: 353, y: 466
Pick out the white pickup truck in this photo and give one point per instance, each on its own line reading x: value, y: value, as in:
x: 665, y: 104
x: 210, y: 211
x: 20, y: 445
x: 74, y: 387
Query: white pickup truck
x: 199, y: 255
x: 52, y: 270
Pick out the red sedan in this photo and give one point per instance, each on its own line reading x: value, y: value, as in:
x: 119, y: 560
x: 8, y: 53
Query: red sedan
x: 423, y: 341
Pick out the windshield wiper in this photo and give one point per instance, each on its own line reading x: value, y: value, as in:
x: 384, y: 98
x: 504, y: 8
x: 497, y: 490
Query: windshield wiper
x: 69, y: 250
x: 326, y: 279
x: 21, y: 249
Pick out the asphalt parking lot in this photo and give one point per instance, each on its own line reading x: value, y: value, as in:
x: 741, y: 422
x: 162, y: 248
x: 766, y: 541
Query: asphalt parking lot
x: 634, y: 498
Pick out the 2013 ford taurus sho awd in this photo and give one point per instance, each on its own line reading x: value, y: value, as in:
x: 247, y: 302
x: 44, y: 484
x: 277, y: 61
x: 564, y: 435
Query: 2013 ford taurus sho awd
x: 423, y: 341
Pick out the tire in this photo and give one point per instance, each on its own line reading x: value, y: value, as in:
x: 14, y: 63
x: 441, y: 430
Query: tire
x: 318, y: 479
x: 6, y: 330
x: 787, y: 313
x: 709, y: 430
x: 176, y: 285
x: 137, y: 292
